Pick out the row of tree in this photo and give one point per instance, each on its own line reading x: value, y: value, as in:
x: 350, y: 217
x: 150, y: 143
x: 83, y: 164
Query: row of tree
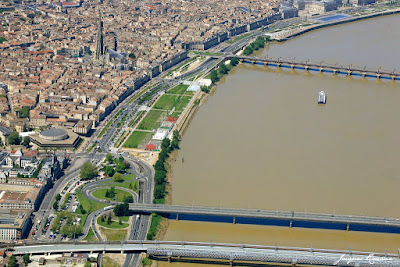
x: 257, y: 44
x: 160, y: 174
x: 223, y: 69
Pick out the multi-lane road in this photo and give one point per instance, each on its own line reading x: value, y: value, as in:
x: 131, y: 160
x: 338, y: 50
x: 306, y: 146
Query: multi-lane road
x: 46, y: 208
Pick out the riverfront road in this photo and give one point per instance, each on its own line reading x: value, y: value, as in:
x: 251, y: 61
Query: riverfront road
x: 269, y: 217
x: 227, y: 252
x: 141, y: 225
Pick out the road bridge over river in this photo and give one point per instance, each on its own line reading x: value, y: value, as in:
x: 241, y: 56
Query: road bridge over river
x: 320, y: 67
x: 231, y: 253
x: 271, y: 217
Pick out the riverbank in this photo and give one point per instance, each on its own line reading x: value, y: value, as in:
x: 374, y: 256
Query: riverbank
x: 190, y: 115
x: 306, y: 29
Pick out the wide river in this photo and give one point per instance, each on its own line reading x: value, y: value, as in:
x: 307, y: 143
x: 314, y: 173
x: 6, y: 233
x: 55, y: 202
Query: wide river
x: 262, y: 141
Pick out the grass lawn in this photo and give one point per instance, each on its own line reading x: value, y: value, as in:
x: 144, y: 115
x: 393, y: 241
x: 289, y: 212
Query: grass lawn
x: 124, y: 218
x: 119, y: 194
x: 108, y: 262
x: 133, y: 185
x: 129, y: 182
x: 112, y: 225
x: 176, y: 114
x: 135, y: 139
x: 182, y: 103
x: 179, y: 89
x: 159, y: 201
x: 90, y: 236
x: 152, y: 120
x: 190, y: 93
x: 115, y: 235
x: 88, y: 205
x: 128, y: 177
x: 166, y: 102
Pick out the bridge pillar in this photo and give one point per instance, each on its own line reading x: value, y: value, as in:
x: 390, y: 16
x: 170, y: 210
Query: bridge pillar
x: 335, y: 71
x: 393, y: 77
x: 253, y: 62
x: 290, y: 224
x: 292, y: 66
x: 230, y: 262
x: 306, y: 67
x: 169, y: 259
x: 278, y: 65
x: 177, y: 216
x: 234, y: 220
x: 321, y: 69
x: 347, y: 227
x: 122, y: 252
x: 378, y: 76
x: 266, y: 63
x: 349, y: 73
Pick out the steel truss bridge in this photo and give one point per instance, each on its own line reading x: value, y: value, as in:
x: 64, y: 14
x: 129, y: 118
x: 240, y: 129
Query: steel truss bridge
x: 220, y: 251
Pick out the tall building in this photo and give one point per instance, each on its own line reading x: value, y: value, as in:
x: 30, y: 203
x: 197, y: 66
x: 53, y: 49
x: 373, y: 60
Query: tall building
x: 99, y: 40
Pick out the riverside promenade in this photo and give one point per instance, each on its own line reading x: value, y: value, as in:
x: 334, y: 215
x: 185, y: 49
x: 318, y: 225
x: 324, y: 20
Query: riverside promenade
x: 285, y: 35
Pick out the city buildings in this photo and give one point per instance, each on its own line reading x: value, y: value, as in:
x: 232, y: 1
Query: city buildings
x: 14, y: 224
x: 24, y: 180
x: 62, y: 63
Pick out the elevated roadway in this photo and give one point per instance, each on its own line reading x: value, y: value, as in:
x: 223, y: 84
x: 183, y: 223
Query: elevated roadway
x: 270, y: 217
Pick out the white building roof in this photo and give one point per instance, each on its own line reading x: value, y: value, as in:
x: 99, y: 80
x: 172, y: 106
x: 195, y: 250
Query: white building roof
x: 160, y: 134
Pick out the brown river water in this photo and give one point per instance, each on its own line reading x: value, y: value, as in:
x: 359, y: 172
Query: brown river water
x: 262, y: 141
